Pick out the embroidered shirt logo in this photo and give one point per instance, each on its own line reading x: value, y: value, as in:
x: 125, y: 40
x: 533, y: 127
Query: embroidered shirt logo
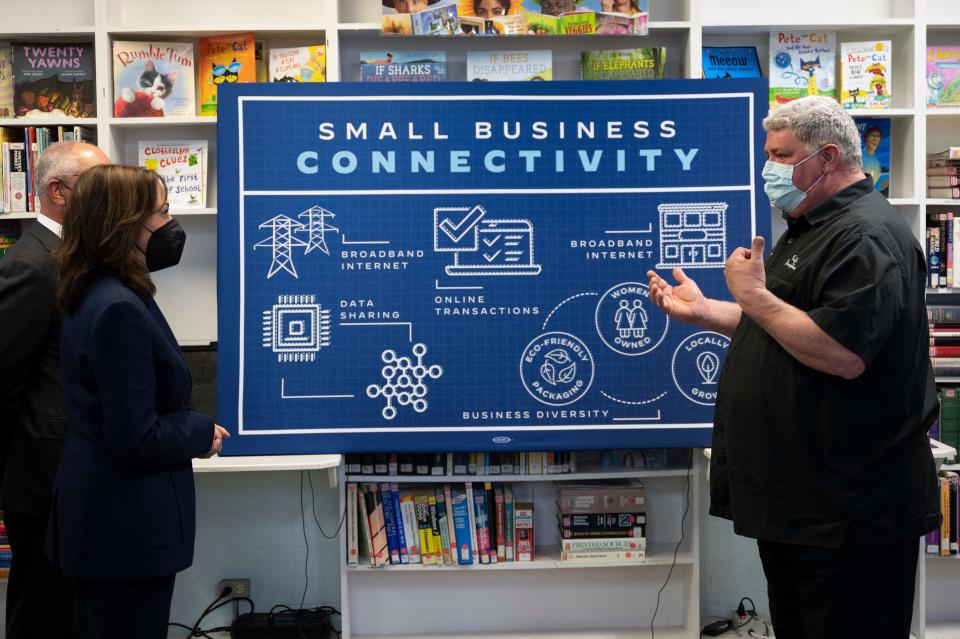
x: 792, y: 262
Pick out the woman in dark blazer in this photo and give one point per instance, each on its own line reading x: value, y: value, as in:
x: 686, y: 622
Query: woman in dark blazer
x: 124, y: 512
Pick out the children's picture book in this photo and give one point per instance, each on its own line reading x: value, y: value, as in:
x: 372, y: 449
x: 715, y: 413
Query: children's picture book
x: 6, y: 80
x: 508, y: 66
x: 875, y: 150
x: 224, y: 59
x: 439, y: 20
x: 183, y: 167
x: 802, y: 63
x: 298, y: 64
x: 153, y: 79
x: 865, y: 74
x: 9, y: 234
x: 731, y: 62
x: 624, y: 64
x: 943, y: 76
x: 54, y: 80
x: 572, y: 23
x: 419, y: 17
x: 622, y: 23
x: 403, y: 66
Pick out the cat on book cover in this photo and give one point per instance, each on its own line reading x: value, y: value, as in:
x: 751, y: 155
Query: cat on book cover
x: 147, y: 100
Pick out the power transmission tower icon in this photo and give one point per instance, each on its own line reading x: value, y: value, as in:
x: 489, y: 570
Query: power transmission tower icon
x: 316, y: 226
x: 282, y: 241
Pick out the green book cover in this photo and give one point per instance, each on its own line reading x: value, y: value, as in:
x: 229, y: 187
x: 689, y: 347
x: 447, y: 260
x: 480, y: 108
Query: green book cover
x: 624, y: 64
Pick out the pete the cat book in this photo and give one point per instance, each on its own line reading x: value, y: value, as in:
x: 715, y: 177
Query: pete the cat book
x: 54, y: 80
x: 224, y: 59
x: 865, y: 74
x: 153, y: 79
x: 802, y: 63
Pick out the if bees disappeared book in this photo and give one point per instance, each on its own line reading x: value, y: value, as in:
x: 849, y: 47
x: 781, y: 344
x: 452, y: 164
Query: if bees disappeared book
x: 509, y: 65
x: 865, y: 74
x: 624, y: 64
x: 802, y: 63
x: 298, y: 64
x: 153, y: 79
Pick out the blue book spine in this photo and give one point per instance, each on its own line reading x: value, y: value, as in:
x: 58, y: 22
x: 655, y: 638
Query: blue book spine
x: 461, y: 527
x: 390, y: 523
x: 401, y: 530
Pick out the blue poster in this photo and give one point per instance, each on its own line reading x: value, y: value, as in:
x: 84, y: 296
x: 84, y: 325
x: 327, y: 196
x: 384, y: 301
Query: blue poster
x: 461, y: 266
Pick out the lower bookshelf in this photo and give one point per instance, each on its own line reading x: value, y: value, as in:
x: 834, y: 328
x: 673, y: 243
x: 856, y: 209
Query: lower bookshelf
x: 545, y: 597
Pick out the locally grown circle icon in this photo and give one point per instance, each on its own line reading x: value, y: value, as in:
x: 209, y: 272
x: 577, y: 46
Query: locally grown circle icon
x: 556, y: 368
x: 696, y: 366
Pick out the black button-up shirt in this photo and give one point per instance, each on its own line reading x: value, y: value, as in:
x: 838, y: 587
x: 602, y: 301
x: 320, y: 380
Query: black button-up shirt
x: 804, y: 457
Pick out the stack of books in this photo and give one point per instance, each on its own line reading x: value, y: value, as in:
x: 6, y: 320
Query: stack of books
x: 20, y: 150
x: 943, y: 181
x: 943, y: 541
x: 945, y: 342
x: 602, y: 521
x: 6, y: 555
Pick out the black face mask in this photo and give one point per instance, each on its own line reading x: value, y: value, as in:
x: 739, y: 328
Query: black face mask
x: 165, y: 246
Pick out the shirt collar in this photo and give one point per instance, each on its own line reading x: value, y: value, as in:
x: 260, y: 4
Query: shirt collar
x: 55, y: 227
x: 838, y: 201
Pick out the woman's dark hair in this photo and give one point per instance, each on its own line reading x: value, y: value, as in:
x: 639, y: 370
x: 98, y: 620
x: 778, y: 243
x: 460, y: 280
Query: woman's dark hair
x: 108, y: 207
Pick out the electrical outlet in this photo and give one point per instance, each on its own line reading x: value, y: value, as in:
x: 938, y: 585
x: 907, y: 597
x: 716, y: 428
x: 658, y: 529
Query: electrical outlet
x: 240, y: 587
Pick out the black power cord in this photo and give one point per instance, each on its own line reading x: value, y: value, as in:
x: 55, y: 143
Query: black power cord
x: 303, y: 526
x: 676, y: 550
x: 222, y: 600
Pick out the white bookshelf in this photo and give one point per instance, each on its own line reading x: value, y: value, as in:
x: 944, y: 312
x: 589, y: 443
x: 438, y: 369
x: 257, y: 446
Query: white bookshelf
x: 544, y: 597
x: 188, y: 294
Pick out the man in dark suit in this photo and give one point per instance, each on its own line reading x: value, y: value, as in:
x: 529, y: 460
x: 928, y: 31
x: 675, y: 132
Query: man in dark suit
x: 32, y: 423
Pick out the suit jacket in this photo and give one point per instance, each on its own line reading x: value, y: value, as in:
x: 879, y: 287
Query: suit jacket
x: 32, y: 425
x: 124, y: 501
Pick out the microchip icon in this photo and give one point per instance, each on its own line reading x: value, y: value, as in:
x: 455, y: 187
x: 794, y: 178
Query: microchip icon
x: 296, y: 328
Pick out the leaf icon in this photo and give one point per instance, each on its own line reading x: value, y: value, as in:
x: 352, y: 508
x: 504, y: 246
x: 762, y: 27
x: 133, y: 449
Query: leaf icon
x: 558, y: 356
x: 567, y: 374
x: 548, y: 373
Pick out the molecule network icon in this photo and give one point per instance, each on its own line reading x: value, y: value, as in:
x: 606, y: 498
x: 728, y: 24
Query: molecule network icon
x: 404, y: 381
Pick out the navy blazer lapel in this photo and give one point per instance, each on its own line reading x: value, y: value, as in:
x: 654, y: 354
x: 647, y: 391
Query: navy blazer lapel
x: 162, y: 322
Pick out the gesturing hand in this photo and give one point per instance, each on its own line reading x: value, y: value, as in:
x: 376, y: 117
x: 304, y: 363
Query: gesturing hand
x: 219, y: 434
x: 683, y: 302
x: 744, y: 271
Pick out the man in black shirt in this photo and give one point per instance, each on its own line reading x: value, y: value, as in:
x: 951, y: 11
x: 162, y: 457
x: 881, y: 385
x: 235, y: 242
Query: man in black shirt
x: 819, y: 443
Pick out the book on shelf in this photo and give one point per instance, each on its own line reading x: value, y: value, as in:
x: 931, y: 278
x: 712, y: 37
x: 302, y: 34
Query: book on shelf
x: 943, y: 76
x: 875, y: 151
x: 411, y: 529
x: 260, y: 60
x: 617, y: 544
x: 390, y: 525
x: 298, y: 64
x: 730, y: 62
x: 424, y: 529
x: 570, y: 23
x: 365, y: 543
x: 439, y: 18
x: 224, y: 59
x: 53, y: 79
x: 624, y: 64
x: 615, y: 23
x: 608, y: 496
x: 508, y: 66
x: 353, y: 545
x: 524, y: 531
x: 463, y: 537
x: 802, y: 63
x: 866, y: 80
x: 182, y: 164
x: 603, y: 555
x: 403, y: 66
x: 9, y: 234
x: 949, y: 153
x: 153, y: 79
x: 6, y: 80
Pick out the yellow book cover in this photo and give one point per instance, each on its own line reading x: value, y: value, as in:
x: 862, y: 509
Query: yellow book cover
x: 224, y: 60
x: 298, y: 64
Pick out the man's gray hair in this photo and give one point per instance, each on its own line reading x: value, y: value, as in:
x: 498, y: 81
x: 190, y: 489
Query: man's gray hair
x: 818, y: 120
x: 57, y: 160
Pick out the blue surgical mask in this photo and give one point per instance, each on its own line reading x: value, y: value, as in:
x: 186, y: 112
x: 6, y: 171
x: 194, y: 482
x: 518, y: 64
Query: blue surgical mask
x: 779, y: 187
